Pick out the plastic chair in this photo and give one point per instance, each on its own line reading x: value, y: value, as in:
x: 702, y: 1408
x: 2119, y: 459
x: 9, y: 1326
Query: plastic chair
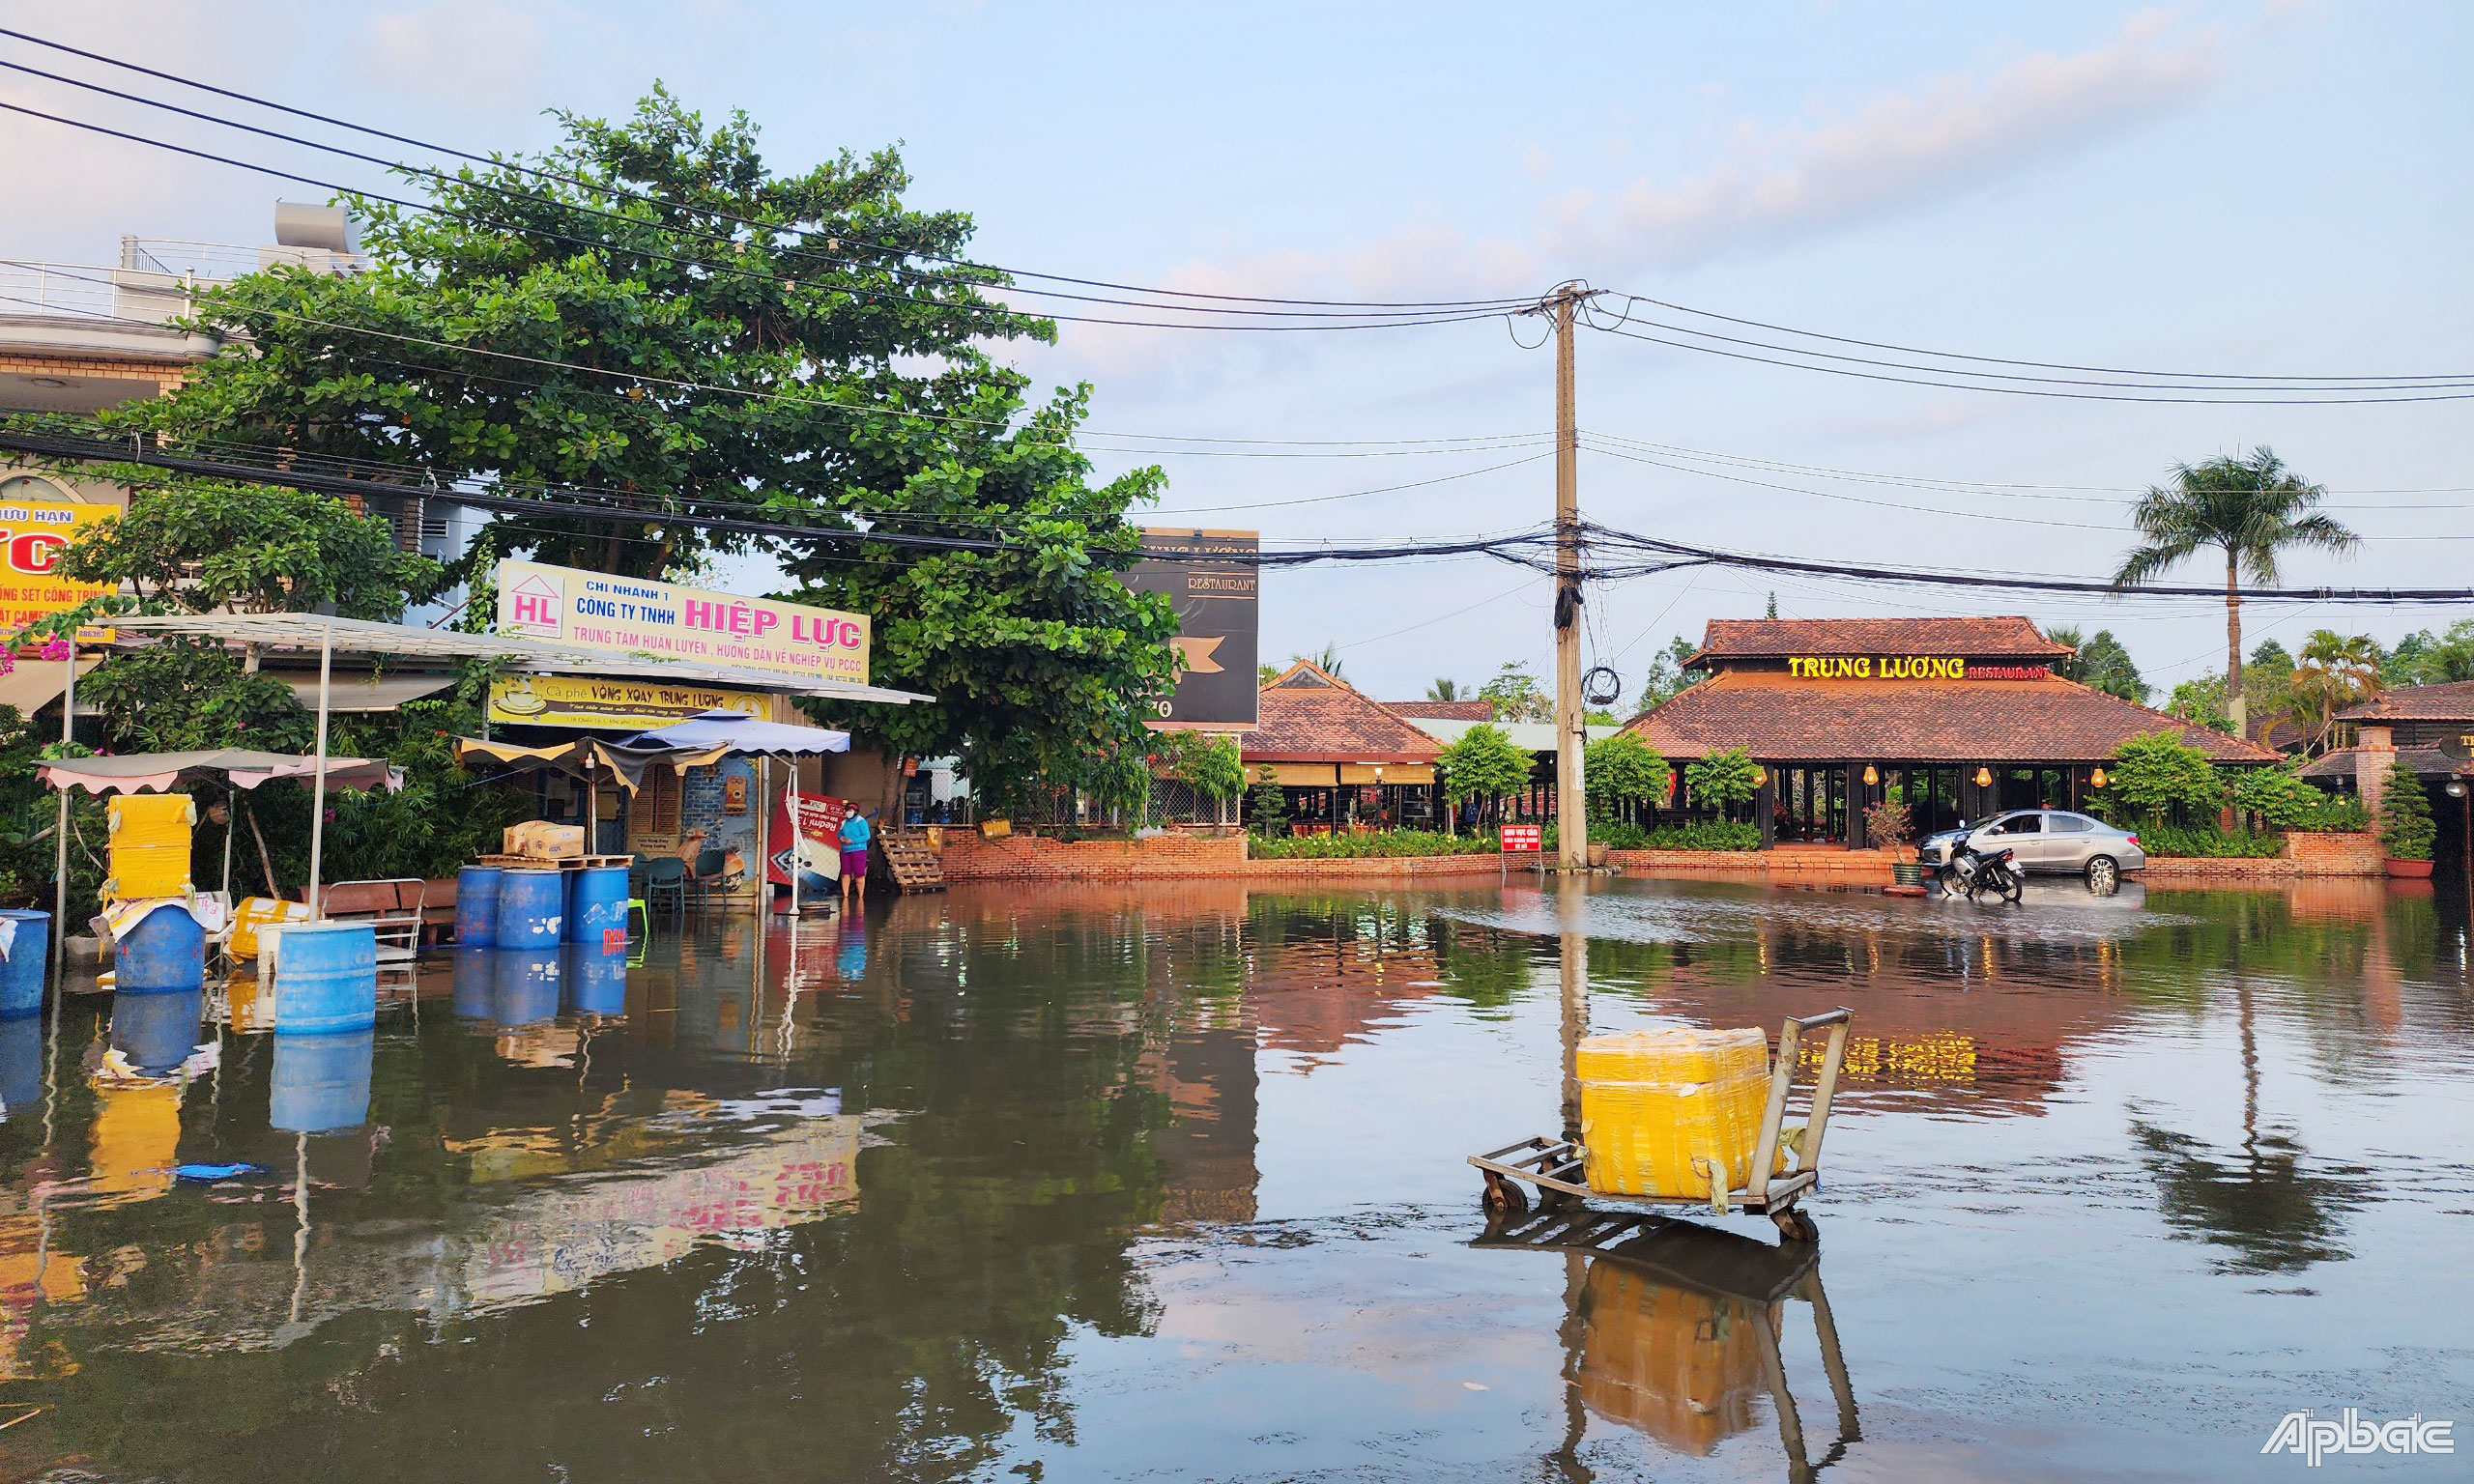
x: 713, y: 873
x: 665, y: 875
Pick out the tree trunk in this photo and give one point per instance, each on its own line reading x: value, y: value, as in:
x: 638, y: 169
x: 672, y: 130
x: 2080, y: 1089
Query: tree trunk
x: 2235, y: 711
x: 266, y: 862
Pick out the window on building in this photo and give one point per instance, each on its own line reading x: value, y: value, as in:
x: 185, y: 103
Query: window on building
x: 657, y: 802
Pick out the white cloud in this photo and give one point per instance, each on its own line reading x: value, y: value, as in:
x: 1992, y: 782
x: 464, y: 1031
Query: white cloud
x: 462, y: 48
x: 1896, y: 150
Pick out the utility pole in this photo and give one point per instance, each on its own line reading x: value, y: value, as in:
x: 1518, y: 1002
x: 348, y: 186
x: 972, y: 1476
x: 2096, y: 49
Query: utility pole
x: 1571, y: 814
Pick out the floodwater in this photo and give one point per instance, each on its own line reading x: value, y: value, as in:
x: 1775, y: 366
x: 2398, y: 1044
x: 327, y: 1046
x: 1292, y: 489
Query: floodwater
x: 1168, y: 1183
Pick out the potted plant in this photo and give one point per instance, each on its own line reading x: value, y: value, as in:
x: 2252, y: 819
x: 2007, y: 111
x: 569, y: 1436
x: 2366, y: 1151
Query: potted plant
x: 2405, y: 829
x: 1887, y: 825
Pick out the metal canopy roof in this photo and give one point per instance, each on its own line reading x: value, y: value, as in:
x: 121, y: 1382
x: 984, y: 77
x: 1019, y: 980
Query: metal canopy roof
x: 361, y: 635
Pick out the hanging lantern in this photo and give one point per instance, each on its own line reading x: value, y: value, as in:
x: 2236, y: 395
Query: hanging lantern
x: 1759, y: 777
x: 1870, y: 776
x: 2096, y: 780
x: 1984, y: 777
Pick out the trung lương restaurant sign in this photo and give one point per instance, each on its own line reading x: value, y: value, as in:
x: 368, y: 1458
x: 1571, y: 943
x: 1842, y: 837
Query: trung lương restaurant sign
x: 1906, y: 666
x: 634, y: 616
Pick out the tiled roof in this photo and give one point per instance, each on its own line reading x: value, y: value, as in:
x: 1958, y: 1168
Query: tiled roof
x: 1445, y: 710
x: 2422, y: 762
x: 1308, y: 716
x: 2005, y: 637
x: 2451, y: 701
x: 1783, y: 719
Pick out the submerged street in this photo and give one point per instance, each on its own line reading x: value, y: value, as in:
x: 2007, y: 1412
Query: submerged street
x: 1077, y: 1182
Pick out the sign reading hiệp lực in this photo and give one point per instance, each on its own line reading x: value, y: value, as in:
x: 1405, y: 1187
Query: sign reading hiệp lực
x: 634, y: 615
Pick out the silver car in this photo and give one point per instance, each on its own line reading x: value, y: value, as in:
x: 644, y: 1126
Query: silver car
x: 2047, y: 841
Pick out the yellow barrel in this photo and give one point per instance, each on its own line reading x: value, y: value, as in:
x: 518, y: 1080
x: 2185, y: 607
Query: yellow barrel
x: 1672, y: 1113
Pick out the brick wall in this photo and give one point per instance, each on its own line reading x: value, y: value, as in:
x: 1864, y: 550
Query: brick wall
x: 2304, y: 855
x: 1835, y: 868
x: 1038, y: 858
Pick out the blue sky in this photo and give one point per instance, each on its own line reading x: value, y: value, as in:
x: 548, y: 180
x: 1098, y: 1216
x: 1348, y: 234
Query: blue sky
x: 2225, y: 187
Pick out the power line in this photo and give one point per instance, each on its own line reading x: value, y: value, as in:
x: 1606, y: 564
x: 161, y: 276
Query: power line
x: 496, y: 162
x: 1405, y: 321
x: 2031, y: 391
x: 2042, y: 365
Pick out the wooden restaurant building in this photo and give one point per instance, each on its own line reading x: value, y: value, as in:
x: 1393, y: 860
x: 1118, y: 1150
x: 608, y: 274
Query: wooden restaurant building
x: 1959, y: 717
x: 1341, y: 760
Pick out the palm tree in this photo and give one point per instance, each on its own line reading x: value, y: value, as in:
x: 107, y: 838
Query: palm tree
x: 1328, y: 662
x: 2335, y: 673
x: 1444, y: 690
x: 2251, y: 509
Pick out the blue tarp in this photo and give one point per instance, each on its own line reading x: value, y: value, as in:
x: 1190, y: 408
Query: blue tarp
x: 740, y: 733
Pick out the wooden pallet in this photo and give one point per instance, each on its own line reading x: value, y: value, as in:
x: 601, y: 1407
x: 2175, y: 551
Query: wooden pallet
x: 567, y: 863
x: 914, y: 866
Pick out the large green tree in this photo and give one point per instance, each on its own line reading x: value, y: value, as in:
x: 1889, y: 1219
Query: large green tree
x: 650, y: 318
x: 2250, y: 509
x: 2100, y: 662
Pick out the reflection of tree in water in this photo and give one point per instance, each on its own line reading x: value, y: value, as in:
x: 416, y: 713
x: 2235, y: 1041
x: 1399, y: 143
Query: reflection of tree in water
x: 1485, y: 968
x: 2260, y: 1201
x: 905, y: 1336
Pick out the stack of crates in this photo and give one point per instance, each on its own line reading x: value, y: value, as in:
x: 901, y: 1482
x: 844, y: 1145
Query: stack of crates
x: 1671, y: 1112
x: 150, y: 845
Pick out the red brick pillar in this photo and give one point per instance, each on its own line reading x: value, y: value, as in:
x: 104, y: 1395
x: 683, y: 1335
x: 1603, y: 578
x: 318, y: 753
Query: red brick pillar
x: 2376, y: 754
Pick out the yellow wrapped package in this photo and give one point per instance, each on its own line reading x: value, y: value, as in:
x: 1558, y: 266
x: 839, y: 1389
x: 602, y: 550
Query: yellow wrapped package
x: 1672, y: 1113
x: 256, y: 912
x: 150, y: 845
x: 1680, y: 1366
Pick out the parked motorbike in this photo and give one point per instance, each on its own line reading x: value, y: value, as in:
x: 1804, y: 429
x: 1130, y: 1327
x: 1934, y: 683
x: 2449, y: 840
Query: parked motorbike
x: 1972, y: 871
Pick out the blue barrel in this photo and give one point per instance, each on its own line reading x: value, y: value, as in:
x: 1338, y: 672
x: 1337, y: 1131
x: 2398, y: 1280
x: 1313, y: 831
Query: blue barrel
x: 21, y: 972
x: 321, y: 1083
x: 477, y: 906
x: 598, y: 907
x: 597, y: 982
x: 156, y: 1032
x: 531, y: 903
x: 164, y: 953
x: 20, y: 1065
x: 527, y: 986
x: 326, y: 979
x: 475, y: 969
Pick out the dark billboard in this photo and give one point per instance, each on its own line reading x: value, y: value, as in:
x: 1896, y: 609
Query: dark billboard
x: 1216, y: 623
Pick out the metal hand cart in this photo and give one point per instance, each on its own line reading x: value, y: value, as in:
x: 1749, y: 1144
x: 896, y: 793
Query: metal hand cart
x: 1555, y: 1166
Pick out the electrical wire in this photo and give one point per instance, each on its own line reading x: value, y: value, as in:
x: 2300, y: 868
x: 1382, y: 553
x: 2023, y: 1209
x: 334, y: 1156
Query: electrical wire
x: 499, y: 163
x: 2038, y: 391
x: 1438, y: 316
x: 2043, y: 365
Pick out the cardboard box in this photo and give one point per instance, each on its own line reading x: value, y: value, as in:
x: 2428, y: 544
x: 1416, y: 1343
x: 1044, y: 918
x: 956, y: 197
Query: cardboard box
x: 540, y: 841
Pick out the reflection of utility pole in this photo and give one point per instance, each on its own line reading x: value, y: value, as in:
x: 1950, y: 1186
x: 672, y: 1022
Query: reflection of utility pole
x: 1572, y: 903
x: 1567, y: 1459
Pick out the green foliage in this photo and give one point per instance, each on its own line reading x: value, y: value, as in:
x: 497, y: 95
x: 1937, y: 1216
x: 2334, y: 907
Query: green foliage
x: 1444, y: 688
x: 1208, y: 764
x: 2405, y: 828
x: 2102, y: 664
x: 24, y: 862
x: 1266, y: 807
x: 1701, y: 834
x: 2153, y: 773
x: 2171, y: 840
x: 1722, y: 779
x: 204, y: 544
x: 1382, y: 843
x: 1517, y: 696
x: 1483, y: 764
x: 2425, y: 658
x: 2335, y: 673
x: 1667, y: 678
x: 1620, y: 770
x: 2279, y: 796
x: 186, y: 694
x: 2342, y: 815
x: 2200, y: 702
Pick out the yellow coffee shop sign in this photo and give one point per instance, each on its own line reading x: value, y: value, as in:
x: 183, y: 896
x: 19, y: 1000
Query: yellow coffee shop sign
x: 32, y: 533
x: 611, y: 706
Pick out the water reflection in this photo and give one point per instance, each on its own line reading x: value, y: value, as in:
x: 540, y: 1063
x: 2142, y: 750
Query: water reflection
x: 880, y: 1196
x: 1673, y: 1329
